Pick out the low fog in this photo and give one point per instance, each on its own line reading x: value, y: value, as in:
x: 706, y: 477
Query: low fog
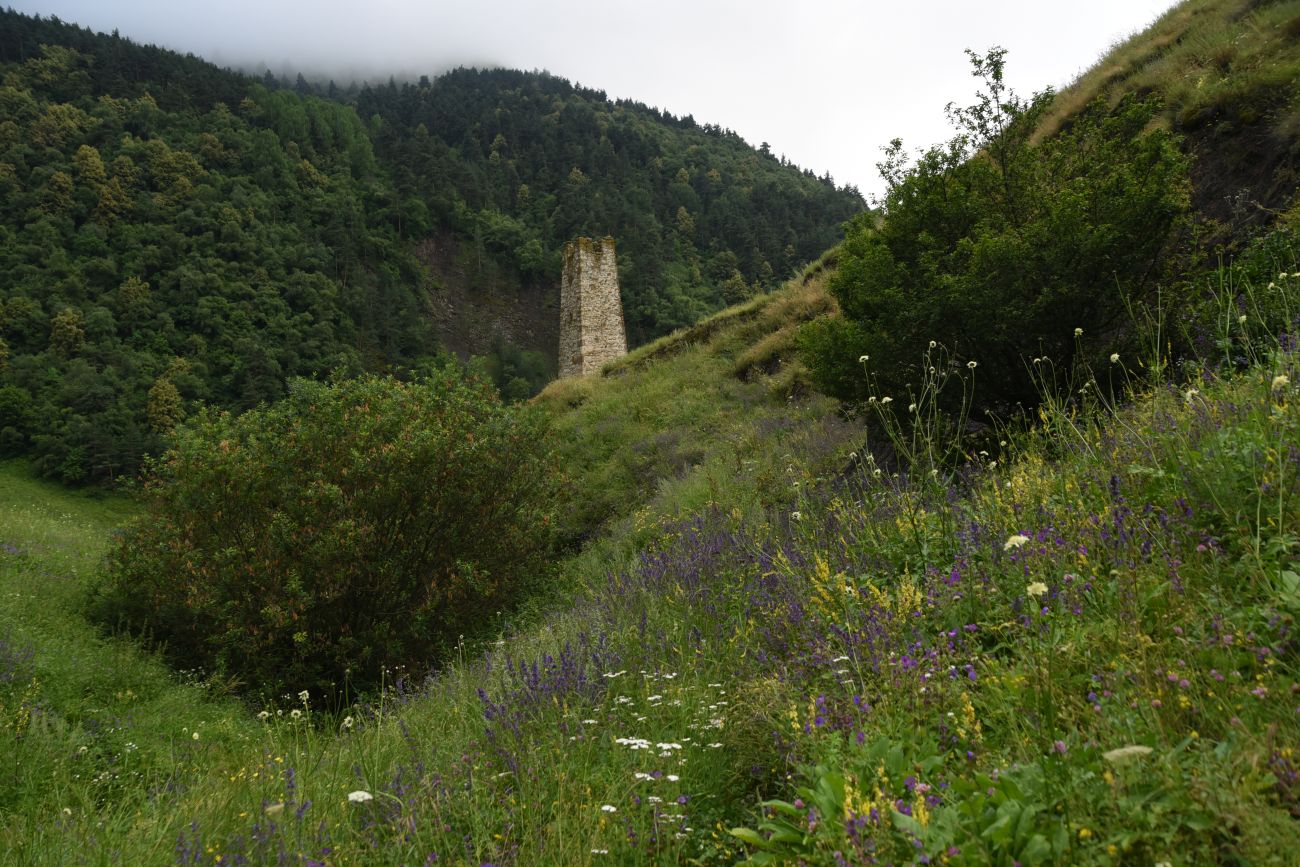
x: 827, y: 84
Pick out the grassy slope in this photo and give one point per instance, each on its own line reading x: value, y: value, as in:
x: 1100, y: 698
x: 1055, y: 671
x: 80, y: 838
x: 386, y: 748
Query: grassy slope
x: 717, y: 412
x: 759, y: 615
x: 1207, y: 59
x: 753, y: 616
x: 89, y: 726
x: 1226, y: 73
x: 705, y: 425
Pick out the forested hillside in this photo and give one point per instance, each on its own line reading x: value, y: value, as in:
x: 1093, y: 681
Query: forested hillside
x: 521, y: 162
x: 174, y: 233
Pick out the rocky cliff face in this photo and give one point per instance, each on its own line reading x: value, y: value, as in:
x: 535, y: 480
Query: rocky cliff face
x: 475, y: 302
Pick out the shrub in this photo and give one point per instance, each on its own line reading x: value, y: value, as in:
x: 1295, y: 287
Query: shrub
x: 997, y: 244
x: 354, y: 526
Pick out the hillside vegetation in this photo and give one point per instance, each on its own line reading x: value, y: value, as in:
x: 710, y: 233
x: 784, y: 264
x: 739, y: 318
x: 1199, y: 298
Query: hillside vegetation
x: 159, y: 255
x: 520, y: 163
x: 1225, y: 72
x: 1081, y: 654
x: 779, y: 635
x: 172, y: 233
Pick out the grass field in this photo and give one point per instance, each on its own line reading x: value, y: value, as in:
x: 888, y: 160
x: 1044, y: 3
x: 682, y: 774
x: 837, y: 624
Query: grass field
x: 1078, y: 650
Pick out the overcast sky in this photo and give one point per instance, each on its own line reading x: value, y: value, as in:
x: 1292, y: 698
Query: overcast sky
x: 826, y: 82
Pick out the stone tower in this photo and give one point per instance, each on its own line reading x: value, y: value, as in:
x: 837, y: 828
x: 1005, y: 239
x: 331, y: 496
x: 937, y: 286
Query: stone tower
x: 591, y: 312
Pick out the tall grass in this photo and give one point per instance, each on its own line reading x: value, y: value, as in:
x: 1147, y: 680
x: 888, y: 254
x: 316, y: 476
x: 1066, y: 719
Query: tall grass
x: 1082, y: 653
x: 1203, y: 57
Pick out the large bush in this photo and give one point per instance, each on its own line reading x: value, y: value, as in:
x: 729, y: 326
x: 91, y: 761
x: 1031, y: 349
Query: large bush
x: 354, y: 526
x: 1000, y: 244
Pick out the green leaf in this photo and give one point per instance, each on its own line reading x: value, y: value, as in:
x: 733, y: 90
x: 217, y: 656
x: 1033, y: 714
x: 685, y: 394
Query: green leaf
x: 1025, y: 822
x: 750, y: 836
x: 1036, y: 851
x: 1000, y: 831
x: 907, y: 824
x: 1060, y: 839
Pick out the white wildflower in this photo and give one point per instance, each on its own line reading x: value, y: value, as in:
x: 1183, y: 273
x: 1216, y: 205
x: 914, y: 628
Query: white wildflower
x: 1281, y: 381
x: 1078, y: 332
x: 972, y: 364
x: 360, y: 796
x: 608, y: 808
x: 862, y: 359
x: 1038, y: 588
x: 1114, y: 358
x: 1014, y: 542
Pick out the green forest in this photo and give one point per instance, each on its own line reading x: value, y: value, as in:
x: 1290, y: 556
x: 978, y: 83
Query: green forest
x: 522, y: 162
x: 175, y: 234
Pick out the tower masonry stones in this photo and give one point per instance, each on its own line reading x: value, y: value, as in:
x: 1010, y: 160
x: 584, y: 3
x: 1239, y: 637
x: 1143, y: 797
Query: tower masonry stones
x: 591, y: 312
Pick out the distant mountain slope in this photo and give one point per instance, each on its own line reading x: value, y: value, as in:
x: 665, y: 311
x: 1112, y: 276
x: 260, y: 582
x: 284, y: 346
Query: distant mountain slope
x: 522, y: 162
x: 172, y: 232
x: 153, y: 257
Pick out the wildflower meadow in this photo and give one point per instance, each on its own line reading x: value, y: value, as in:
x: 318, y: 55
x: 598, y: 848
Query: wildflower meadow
x: 1073, y: 646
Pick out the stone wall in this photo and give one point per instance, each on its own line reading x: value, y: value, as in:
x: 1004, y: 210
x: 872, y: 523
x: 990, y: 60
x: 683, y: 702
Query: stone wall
x: 591, y: 311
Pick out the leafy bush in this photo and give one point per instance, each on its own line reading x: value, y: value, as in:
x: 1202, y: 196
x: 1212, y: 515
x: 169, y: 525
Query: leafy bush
x: 354, y: 526
x: 998, y: 244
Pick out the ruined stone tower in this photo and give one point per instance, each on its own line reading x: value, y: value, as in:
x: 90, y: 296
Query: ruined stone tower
x: 591, y: 312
